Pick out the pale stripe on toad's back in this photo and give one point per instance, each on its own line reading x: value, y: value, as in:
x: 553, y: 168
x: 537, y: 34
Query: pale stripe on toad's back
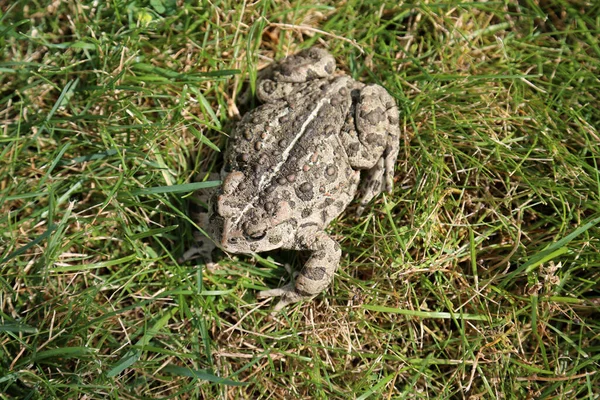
x: 267, y: 178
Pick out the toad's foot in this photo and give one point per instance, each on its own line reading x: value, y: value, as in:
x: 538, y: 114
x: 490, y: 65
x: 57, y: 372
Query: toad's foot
x: 288, y: 295
x: 317, y: 273
x: 196, y: 252
x: 202, y: 249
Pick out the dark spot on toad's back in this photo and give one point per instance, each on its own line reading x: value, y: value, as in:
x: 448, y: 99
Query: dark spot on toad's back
x: 275, y: 239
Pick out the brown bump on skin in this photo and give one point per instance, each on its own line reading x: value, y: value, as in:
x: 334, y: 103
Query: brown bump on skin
x: 291, y: 178
x: 344, y: 91
x: 330, y: 171
x: 247, y: 134
x: 282, y: 143
x: 304, y: 191
x: 264, y: 135
x: 335, y: 102
x: 275, y: 239
x: 322, y: 189
x: 281, y: 180
x: 262, y: 160
x: 269, y: 189
x: 375, y: 117
x: 314, y: 158
x: 257, y: 146
x: 306, y: 168
x: 372, y: 138
x: 306, y: 187
x: 284, y: 119
x: 269, y: 206
x: 268, y: 86
x: 231, y: 181
x: 255, y: 182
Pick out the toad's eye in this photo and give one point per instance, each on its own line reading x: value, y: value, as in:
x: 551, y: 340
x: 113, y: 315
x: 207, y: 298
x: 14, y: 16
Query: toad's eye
x: 234, y: 240
x: 256, y: 235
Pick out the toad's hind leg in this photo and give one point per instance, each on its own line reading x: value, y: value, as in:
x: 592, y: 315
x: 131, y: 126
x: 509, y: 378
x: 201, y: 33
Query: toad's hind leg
x: 373, y: 146
x: 315, y: 276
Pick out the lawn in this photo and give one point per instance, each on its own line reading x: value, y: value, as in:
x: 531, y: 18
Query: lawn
x: 477, y: 278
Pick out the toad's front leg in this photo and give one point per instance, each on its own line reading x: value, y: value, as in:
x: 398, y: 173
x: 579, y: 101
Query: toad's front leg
x: 317, y: 273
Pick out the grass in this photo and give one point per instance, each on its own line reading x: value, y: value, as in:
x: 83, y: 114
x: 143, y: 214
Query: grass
x: 477, y: 278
